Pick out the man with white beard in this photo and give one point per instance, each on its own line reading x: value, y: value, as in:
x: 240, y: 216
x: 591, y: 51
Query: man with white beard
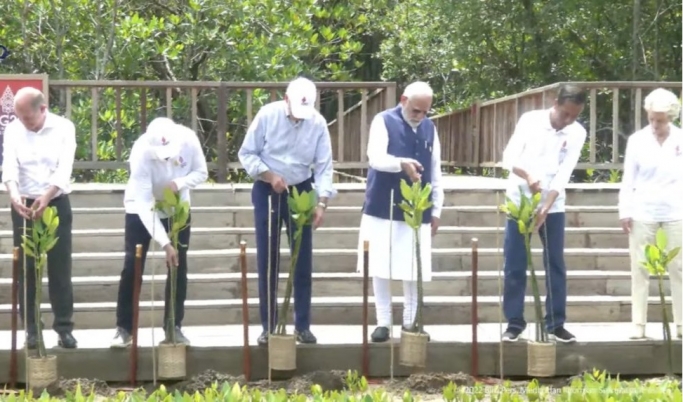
x: 402, y: 144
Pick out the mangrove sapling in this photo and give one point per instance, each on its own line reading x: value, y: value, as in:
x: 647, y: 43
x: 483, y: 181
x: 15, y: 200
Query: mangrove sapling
x: 657, y: 260
x: 525, y: 217
x: 178, y: 212
x: 415, y: 202
x: 301, y: 208
x: 42, y: 239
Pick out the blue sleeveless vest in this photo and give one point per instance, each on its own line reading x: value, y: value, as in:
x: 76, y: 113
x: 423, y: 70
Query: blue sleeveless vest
x: 403, y: 143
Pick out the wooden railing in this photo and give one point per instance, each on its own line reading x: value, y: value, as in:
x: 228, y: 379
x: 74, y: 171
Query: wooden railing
x: 477, y: 136
x: 115, y: 113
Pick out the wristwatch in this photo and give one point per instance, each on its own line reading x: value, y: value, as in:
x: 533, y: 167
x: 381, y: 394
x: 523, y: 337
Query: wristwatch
x: 322, y: 205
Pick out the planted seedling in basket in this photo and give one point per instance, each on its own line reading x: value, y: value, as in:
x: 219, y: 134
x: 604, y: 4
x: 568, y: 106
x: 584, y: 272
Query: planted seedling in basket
x: 178, y: 212
x: 657, y: 260
x: 416, y: 200
x: 42, y: 238
x: 282, y: 348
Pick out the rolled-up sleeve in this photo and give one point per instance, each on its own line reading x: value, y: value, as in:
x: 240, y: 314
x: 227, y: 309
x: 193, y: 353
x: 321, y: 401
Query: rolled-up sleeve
x: 323, y: 168
x: 628, y: 180
x: 515, y: 147
x: 61, y: 177
x: 252, y: 146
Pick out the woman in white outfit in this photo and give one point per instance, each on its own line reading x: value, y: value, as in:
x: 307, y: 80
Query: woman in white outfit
x: 651, y: 197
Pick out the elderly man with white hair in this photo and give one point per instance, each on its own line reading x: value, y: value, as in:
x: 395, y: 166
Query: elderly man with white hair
x: 402, y: 144
x: 651, y: 197
x: 167, y: 155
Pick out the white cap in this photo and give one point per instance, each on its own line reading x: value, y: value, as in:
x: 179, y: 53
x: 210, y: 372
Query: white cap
x: 301, y: 94
x: 164, y: 138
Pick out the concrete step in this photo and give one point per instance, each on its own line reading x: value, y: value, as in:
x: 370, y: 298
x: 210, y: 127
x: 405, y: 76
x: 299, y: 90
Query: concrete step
x: 203, y: 238
x: 336, y: 216
x: 458, y: 190
x: 98, y: 289
x: 438, y: 310
x: 337, y: 260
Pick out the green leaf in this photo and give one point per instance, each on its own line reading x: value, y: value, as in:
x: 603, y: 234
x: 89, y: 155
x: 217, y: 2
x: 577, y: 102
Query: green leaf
x: 169, y: 197
x: 660, y: 239
x: 521, y: 226
x: 406, y: 191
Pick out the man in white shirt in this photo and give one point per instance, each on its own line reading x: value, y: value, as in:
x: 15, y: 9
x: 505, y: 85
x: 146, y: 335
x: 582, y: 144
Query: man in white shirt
x: 541, y: 156
x: 651, y: 197
x: 285, y: 139
x: 167, y: 155
x: 403, y: 144
x: 38, y: 156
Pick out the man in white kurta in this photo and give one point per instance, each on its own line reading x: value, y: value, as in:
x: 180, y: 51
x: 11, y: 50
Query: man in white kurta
x: 402, y: 144
x: 651, y: 197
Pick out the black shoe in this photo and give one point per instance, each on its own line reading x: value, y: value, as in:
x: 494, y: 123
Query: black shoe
x: 67, y: 341
x: 305, y: 336
x: 31, y: 342
x: 263, y: 339
x: 511, y: 334
x: 408, y: 329
x: 562, y: 335
x: 380, y: 334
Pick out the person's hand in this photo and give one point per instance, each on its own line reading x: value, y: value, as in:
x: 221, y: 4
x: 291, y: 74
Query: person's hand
x: 626, y: 224
x: 435, y: 225
x: 534, y: 184
x: 39, y: 206
x: 173, y: 187
x: 171, y: 256
x: 318, y: 217
x: 540, y: 217
x: 278, y: 183
x: 412, y: 169
x: 23, y: 210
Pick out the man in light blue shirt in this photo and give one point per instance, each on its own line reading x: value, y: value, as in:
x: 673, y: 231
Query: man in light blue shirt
x: 284, y: 141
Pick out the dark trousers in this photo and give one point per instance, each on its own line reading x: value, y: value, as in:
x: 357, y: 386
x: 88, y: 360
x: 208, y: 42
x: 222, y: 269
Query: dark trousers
x: 552, y: 238
x: 302, y: 276
x: 58, y: 269
x: 136, y: 233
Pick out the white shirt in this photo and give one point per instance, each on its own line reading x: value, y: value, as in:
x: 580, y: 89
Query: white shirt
x: 545, y: 153
x: 652, y: 183
x: 34, y: 161
x: 149, y: 176
x: 379, y: 159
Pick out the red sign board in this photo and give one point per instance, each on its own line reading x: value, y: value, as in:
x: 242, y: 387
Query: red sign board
x: 9, y: 85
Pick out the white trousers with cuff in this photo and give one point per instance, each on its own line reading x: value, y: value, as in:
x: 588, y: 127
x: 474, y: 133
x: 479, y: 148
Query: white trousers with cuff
x: 383, y: 302
x: 643, y: 233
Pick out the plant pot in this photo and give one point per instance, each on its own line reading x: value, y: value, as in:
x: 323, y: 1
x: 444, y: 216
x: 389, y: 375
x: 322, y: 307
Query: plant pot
x: 282, y: 352
x: 41, y: 372
x: 413, y: 350
x: 541, y: 359
x: 172, y: 360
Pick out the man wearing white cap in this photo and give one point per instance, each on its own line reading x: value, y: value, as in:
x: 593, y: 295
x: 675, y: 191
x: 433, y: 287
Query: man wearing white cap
x: 651, y: 197
x: 167, y: 155
x: 284, y: 141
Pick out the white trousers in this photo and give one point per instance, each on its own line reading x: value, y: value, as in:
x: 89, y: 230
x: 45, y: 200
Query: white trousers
x: 643, y: 233
x: 382, y: 291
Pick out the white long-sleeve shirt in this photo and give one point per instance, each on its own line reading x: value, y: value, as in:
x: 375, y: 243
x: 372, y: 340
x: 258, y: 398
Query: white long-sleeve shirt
x: 150, y: 176
x: 652, y: 183
x: 34, y: 161
x: 379, y: 159
x: 545, y: 153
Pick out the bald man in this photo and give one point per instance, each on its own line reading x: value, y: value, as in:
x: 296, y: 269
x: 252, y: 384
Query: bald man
x: 38, y: 156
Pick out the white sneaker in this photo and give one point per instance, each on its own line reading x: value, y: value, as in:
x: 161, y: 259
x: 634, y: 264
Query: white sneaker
x: 638, y: 332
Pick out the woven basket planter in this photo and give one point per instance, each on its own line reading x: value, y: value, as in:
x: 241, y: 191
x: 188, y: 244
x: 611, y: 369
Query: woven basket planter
x: 282, y: 352
x: 541, y: 359
x: 41, y: 372
x: 172, y: 360
x: 413, y: 350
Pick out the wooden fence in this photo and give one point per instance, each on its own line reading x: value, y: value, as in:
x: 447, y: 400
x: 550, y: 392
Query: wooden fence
x: 476, y: 137
x: 219, y: 112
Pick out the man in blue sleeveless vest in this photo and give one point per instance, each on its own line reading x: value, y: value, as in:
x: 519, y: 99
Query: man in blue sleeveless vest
x: 402, y: 144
